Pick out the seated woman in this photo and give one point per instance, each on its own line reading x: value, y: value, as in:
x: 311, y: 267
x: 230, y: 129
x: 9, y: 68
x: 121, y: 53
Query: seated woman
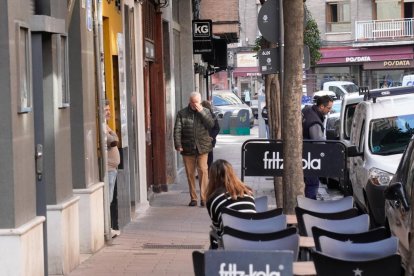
x: 225, y: 190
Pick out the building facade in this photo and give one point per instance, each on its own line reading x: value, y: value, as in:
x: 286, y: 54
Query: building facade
x: 367, y: 42
x: 60, y: 60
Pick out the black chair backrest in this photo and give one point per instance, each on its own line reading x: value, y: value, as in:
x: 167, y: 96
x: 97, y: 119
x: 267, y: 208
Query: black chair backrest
x: 198, y: 263
x: 350, y: 213
x: 259, y: 236
x: 376, y: 234
x: 286, y: 239
x: 253, y: 216
x: 328, y: 266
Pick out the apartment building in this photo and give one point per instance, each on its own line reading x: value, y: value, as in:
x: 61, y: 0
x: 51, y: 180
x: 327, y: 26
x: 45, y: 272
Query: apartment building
x: 369, y: 42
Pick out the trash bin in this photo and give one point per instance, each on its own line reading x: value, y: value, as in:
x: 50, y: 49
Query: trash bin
x: 240, y: 124
x: 224, y: 123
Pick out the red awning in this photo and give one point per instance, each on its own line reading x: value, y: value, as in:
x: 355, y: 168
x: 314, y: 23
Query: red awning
x: 362, y: 55
x: 246, y: 72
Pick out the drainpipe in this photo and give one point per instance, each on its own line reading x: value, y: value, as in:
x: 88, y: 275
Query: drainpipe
x: 100, y: 81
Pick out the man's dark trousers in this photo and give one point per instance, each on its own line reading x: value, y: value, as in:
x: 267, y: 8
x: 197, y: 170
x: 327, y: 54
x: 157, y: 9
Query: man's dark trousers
x: 311, y: 186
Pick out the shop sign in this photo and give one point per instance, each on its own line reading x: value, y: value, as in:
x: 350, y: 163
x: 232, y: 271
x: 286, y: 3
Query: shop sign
x: 202, y: 36
x: 358, y: 59
x: 394, y: 63
x: 389, y: 64
x: 246, y: 59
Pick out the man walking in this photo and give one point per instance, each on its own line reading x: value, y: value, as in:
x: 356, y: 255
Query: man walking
x: 312, y: 125
x: 192, y: 140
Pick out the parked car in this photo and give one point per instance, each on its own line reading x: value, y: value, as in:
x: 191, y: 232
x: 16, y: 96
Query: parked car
x: 340, y: 88
x: 398, y: 208
x: 225, y: 100
x: 381, y: 129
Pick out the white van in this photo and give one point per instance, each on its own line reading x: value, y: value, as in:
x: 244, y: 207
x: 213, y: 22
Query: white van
x: 381, y: 129
x: 408, y: 80
x: 340, y: 88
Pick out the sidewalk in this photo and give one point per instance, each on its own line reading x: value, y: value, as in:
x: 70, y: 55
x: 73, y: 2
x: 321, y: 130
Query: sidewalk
x: 161, y: 239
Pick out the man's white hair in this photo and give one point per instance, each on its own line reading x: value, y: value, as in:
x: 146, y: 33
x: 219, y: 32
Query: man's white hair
x: 195, y: 94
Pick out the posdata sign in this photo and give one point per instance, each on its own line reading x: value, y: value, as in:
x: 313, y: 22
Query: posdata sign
x: 248, y: 263
x: 265, y: 158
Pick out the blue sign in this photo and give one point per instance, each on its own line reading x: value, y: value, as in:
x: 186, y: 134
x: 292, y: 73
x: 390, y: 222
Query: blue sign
x: 306, y: 99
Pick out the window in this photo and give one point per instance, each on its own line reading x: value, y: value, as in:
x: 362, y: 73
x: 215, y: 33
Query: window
x: 24, y: 67
x: 338, y: 16
x: 362, y: 138
x: 349, y: 115
x: 62, y: 70
x: 391, y: 135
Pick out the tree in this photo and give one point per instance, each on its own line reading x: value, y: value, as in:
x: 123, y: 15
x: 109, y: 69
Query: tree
x: 312, y: 38
x: 293, y: 11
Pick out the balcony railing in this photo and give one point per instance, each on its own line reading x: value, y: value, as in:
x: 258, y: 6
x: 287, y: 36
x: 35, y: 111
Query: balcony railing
x: 384, y: 29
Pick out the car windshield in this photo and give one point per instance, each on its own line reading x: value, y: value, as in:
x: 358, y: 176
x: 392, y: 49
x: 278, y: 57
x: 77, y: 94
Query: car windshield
x: 220, y: 99
x: 391, y: 135
x: 351, y: 88
x: 336, y: 107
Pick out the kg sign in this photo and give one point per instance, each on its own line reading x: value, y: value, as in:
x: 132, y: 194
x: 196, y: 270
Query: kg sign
x: 202, y: 29
x: 202, y: 36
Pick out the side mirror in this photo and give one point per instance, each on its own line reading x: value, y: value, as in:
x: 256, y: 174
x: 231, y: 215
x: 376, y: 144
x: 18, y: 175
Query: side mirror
x: 352, y: 151
x: 396, y: 192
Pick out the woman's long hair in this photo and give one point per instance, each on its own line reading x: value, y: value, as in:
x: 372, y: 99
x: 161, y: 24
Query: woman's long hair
x: 222, y: 178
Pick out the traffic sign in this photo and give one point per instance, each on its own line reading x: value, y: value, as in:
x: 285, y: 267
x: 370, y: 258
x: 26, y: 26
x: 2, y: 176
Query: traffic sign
x: 268, y: 20
x: 268, y: 61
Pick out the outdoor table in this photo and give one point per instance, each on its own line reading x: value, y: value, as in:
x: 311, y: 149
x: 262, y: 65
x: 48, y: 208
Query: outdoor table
x: 306, y: 242
x: 291, y: 219
x: 304, y: 268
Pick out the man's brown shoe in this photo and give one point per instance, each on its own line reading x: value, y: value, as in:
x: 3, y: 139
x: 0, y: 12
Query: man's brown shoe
x: 192, y: 203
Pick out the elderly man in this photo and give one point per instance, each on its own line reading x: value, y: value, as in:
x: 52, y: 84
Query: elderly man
x: 192, y: 140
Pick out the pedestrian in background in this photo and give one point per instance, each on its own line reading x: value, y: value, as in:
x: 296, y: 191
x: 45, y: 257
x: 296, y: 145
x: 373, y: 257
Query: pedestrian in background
x: 114, y: 159
x: 313, y: 128
x: 214, y: 131
x: 226, y: 190
x: 192, y: 140
x: 247, y: 97
x: 265, y: 116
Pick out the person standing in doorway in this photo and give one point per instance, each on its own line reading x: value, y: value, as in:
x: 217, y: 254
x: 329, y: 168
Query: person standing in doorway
x: 114, y: 159
x: 192, y: 140
x: 312, y: 125
x: 214, y: 131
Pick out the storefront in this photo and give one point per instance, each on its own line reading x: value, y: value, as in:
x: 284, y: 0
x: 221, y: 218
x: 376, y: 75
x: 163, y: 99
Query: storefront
x: 374, y: 67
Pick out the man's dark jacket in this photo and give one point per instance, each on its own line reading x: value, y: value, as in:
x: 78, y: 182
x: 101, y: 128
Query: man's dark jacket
x: 310, y: 117
x: 191, y: 131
